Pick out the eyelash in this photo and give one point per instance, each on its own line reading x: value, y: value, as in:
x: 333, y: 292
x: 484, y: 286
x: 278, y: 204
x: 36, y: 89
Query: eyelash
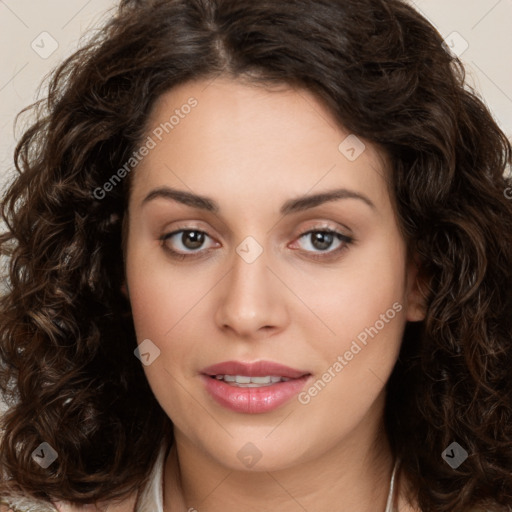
x: 322, y: 255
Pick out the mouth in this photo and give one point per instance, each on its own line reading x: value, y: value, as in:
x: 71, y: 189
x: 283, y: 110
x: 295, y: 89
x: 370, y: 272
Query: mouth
x: 253, y: 374
x: 252, y: 388
x: 245, y: 381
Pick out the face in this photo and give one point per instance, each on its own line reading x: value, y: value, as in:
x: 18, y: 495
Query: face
x: 236, y: 252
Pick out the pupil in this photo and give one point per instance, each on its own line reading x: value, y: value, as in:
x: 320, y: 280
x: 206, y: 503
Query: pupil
x: 322, y: 240
x: 196, y: 238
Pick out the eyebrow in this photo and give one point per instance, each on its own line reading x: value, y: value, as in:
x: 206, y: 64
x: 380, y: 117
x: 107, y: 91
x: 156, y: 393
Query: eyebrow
x: 295, y: 205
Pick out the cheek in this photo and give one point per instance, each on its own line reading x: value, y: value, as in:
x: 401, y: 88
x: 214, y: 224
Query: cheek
x: 169, y: 307
x: 159, y: 295
x: 363, y: 304
x: 352, y: 297
x: 164, y: 307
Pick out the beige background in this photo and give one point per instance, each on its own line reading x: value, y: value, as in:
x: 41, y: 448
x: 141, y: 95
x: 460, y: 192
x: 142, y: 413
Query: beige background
x: 483, y: 24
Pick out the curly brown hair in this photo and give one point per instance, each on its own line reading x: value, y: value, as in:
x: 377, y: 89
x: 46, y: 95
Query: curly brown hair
x: 68, y: 371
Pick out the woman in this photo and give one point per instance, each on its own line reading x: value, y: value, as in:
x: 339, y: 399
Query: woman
x: 261, y: 259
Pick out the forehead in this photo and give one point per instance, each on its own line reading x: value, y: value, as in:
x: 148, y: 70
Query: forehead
x: 240, y: 136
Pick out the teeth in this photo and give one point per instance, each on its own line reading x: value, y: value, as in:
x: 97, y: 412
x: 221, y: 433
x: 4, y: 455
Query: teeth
x: 251, y: 382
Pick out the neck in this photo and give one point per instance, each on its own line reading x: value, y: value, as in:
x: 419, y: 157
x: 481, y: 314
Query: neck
x: 353, y: 475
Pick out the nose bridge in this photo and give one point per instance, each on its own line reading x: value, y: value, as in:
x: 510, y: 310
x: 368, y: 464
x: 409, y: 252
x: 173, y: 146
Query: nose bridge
x: 250, y: 300
x: 248, y: 284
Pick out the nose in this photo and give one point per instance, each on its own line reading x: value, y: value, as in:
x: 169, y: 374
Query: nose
x: 251, y: 301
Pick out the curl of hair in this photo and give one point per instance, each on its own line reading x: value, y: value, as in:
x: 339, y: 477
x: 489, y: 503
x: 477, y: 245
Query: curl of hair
x: 66, y: 331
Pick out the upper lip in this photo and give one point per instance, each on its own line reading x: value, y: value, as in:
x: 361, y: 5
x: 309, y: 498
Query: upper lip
x: 255, y: 369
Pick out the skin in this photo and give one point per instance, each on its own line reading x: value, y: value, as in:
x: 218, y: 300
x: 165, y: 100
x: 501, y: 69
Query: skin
x: 251, y: 149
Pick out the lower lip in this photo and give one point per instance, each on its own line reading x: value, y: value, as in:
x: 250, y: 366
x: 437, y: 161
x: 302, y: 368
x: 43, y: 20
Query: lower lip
x: 253, y: 400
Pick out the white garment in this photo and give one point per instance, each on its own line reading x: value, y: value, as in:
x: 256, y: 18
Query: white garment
x: 152, y: 498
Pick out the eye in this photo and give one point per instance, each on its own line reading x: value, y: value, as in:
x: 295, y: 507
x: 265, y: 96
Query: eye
x: 184, y: 243
x: 189, y: 243
x: 321, y: 241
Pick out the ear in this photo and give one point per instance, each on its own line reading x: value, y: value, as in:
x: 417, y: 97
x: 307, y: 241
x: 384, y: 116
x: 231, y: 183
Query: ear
x: 416, y: 284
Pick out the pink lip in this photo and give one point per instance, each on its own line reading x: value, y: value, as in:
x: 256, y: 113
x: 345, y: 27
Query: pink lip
x: 256, y: 369
x: 258, y: 399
